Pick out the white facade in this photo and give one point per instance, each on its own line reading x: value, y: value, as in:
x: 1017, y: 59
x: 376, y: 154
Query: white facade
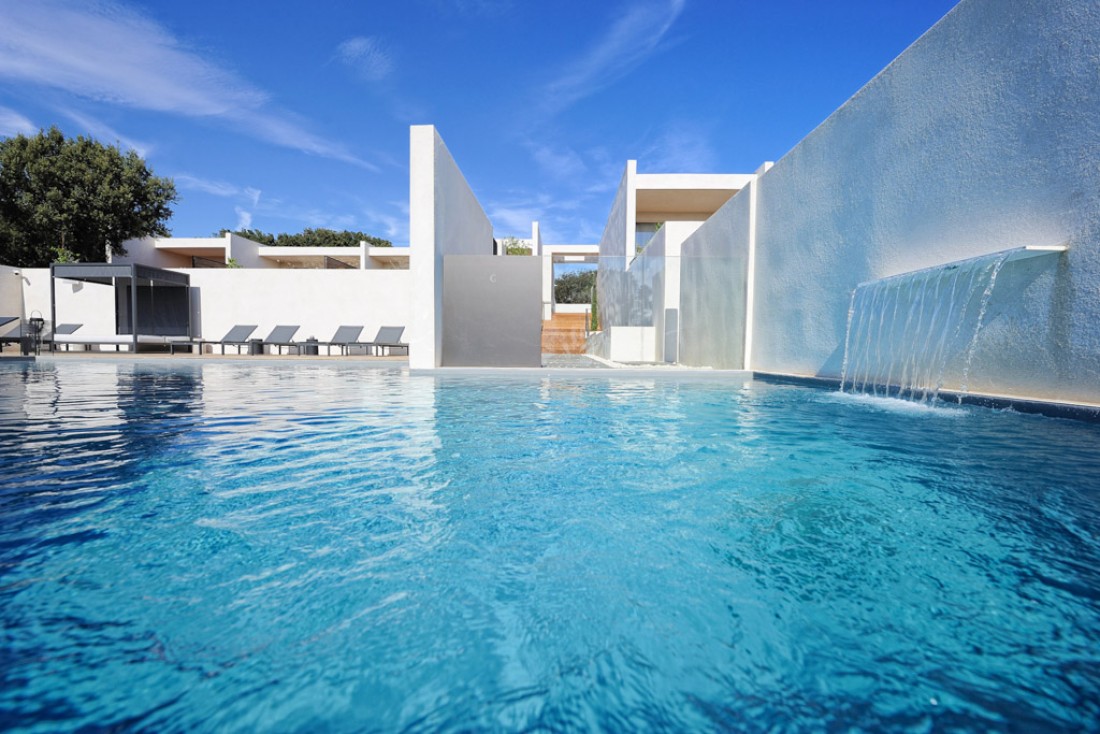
x: 983, y: 136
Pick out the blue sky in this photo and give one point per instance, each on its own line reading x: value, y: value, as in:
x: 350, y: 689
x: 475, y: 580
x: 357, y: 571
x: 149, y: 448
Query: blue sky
x: 281, y: 116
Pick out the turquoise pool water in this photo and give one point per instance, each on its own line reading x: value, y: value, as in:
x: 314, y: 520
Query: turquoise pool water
x: 227, y: 547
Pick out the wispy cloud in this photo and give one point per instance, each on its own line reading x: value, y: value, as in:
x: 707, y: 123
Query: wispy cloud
x: 626, y: 44
x: 12, y: 123
x: 561, y: 163
x: 244, y: 218
x: 367, y: 57
x: 512, y: 217
x: 215, y: 188
x: 113, y: 54
x: 394, y: 227
x: 105, y: 133
x: 681, y: 146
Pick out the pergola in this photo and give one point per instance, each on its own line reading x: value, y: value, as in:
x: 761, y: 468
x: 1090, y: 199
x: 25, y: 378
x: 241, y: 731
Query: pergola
x: 149, y: 302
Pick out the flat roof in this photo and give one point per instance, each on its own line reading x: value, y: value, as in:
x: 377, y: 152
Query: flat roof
x: 660, y: 196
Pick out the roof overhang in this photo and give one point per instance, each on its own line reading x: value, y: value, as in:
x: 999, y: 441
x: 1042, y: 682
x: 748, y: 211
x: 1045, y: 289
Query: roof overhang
x: 106, y: 273
x: 663, y: 196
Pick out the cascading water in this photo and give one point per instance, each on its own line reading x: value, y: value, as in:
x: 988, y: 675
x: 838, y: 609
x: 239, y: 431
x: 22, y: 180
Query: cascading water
x: 903, y: 331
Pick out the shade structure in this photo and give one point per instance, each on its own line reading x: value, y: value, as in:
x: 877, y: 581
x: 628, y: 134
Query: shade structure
x: 148, y: 301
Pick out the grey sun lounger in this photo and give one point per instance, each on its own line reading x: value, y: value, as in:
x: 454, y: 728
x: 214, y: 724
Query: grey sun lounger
x: 388, y: 337
x: 344, y: 337
x: 282, y: 336
x: 61, y: 330
x: 13, y: 336
x: 236, y: 337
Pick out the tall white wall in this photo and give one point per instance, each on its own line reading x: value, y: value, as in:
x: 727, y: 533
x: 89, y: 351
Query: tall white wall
x: 984, y: 135
x: 616, y: 250
x: 445, y: 218
x: 714, y: 268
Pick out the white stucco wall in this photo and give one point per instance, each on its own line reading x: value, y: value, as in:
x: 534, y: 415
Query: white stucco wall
x: 714, y: 269
x: 145, y: 251
x: 445, y: 218
x: 318, y: 301
x: 11, y: 295
x: 90, y: 304
x: 984, y: 135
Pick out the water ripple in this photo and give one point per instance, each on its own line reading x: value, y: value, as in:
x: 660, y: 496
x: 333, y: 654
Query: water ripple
x: 269, y: 548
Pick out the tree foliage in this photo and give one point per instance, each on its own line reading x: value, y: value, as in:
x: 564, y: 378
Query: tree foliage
x: 514, y: 246
x: 75, y: 199
x: 575, y: 287
x: 319, y: 237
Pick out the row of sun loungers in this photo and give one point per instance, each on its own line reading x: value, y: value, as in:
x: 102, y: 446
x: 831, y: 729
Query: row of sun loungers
x: 346, y: 338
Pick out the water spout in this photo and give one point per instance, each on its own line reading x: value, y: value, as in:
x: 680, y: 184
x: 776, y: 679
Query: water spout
x: 904, y: 331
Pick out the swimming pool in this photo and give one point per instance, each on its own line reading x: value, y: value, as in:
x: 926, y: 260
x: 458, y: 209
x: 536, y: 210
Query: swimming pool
x: 235, y: 547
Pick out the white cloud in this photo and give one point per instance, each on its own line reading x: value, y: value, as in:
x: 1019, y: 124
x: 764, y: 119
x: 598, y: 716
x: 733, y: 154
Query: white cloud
x: 626, y: 44
x: 112, y: 54
x: 244, y: 219
x: 106, y: 134
x: 12, y: 123
x: 394, y: 228
x: 367, y: 56
x: 216, y: 188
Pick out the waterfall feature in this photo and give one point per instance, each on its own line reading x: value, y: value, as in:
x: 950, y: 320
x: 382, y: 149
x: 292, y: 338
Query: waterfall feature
x: 904, y: 331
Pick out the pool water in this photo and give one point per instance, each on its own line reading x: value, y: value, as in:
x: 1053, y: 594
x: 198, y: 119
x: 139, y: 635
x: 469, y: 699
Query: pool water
x: 228, y: 547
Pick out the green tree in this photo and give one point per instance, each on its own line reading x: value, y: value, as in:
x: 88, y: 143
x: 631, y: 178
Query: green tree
x: 575, y: 287
x: 513, y: 246
x: 252, y: 234
x: 75, y: 199
x: 319, y: 237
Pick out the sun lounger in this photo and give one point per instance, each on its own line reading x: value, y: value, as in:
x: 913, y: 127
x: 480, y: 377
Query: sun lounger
x: 13, y: 336
x: 60, y: 330
x: 282, y: 336
x: 388, y: 337
x: 344, y: 336
x: 119, y: 340
x: 235, y: 337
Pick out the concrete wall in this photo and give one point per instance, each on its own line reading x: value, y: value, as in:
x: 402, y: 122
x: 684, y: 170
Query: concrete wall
x: 984, y: 135
x: 445, y: 218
